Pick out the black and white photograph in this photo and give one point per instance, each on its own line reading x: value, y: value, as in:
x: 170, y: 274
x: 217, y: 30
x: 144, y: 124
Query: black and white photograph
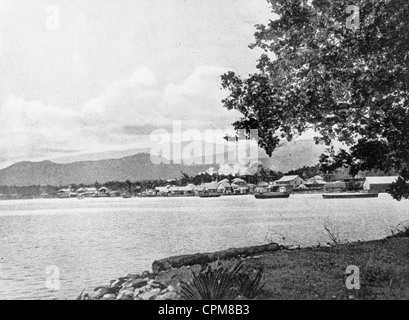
x: 220, y: 150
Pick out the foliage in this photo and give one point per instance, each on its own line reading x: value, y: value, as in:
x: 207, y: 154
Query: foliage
x: 222, y: 284
x: 306, y: 172
x: 399, y: 189
x: 212, y: 284
x: 347, y: 85
x: 250, y: 287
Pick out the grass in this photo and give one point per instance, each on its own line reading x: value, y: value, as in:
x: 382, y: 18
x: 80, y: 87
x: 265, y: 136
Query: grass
x: 320, y: 272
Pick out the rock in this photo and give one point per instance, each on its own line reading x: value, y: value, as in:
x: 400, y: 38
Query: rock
x: 100, y: 292
x: 167, y: 296
x: 87, y: 297
x: 147, y: 274
x: 109, y: 296
x: 171, y: 288
x: 116, y: 284
x: 150, y: 295
x: 127, y: 284
x: 126, y: 294
x: 139, y: 283
x: 141, y: 291
x: 156, y: 284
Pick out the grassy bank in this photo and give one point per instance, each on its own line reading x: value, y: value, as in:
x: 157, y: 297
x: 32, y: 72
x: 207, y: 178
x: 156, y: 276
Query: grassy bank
x: 320, y: 273
x: 274, y: 272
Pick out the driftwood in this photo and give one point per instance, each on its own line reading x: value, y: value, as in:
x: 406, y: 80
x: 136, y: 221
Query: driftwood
x: 205, y: 258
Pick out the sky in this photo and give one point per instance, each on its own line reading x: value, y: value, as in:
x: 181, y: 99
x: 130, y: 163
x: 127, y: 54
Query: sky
x: 83, y: 76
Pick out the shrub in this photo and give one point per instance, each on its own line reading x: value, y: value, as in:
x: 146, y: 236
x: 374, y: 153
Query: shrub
x: 221, y: 284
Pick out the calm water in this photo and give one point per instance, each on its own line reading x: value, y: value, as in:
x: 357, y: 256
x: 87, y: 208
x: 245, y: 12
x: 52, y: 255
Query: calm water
x: 95, y: 240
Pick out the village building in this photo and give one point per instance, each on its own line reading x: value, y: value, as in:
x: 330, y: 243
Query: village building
x: 379, y: 184
x: 190, y: 190
x: 163, y: 191
x: 224, y: 187
x: 177, y: 191
x: 290, y: 182
x: 114, y: 194
x: 251, y: 187
x: 315, y: 182
x: 87, y: 192
x: 239, y: 186
x: 210, y: 187
x: 64, y: 193
x: 261, y: 187
x: 103, y: 192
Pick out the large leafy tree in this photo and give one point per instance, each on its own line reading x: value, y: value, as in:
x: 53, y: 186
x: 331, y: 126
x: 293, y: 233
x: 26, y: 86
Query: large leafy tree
x: 346, y: 79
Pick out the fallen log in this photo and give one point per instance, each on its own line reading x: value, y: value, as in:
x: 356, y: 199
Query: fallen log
x: 205, y: 258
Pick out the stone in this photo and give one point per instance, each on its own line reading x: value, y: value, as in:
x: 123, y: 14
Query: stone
x: 156, y: 284
x: 171, y: 288
x: 109, y: 296
x: 167, y: 296
x: 126, y: 294
x: 141, y: 290
x: 146, y: 274
x: 150, y: 295
x: 139, y: 283
x: 127, y: 284
x: 116, y: 284
x: 100, y: 292
x: 166, y: 290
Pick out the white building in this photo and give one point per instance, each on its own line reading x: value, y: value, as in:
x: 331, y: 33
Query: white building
x: 379, y: 184
x: 292, y: 181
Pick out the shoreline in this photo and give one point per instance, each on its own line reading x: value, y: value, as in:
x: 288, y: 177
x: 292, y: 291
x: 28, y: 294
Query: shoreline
x: 289, y: 272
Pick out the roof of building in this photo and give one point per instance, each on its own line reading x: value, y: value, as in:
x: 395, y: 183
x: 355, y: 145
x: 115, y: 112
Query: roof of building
x: 238, y: 180
x: 162, y: 189
x: 288, y: 178
x: 175, y: 188
x: 224, y: 183
x: 316, y: 181
x: 317, y: 178
x: 381, y: 180
x: 302, y: 186
x: 210, y: 186
x: 263, y: 184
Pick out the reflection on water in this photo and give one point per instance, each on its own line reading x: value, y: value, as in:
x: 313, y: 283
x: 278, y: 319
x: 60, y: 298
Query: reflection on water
x: 95, y: 240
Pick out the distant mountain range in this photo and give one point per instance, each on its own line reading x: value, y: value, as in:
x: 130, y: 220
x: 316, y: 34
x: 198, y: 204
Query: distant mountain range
x: 140, y: 167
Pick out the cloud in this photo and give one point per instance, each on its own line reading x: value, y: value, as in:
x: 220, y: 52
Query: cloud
x: 123, y: 116
x: 197, y: 101
x: 125, y: 103
x: 30, y: 127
